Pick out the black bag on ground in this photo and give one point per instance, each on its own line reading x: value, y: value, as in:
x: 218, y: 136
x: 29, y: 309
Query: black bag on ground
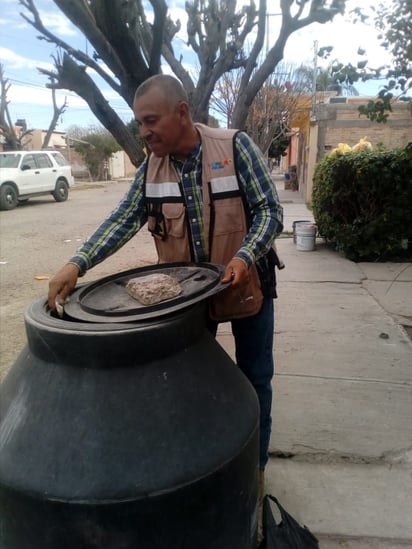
x: 288, y: 534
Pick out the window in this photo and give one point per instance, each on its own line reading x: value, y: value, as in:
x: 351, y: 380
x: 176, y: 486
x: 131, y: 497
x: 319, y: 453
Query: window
x: 8, y: 160
x: 59, y: 158
x: 28, y: 160
x: 43, y: 161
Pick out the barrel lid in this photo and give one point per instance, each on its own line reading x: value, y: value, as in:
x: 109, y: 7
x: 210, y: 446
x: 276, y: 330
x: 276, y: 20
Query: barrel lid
x: 107, y: 300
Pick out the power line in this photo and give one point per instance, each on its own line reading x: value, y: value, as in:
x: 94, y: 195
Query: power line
x: 65, y: 92
x: 39, y: 86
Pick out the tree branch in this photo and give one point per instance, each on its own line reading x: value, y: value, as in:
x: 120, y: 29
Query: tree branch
x: 72, y: 77
x: 37, y: 23
x: 318, y: 13
x: 57, y: 111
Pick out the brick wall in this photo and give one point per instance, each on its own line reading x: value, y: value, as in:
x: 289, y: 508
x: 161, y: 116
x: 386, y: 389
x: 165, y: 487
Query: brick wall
x: 341, y: 123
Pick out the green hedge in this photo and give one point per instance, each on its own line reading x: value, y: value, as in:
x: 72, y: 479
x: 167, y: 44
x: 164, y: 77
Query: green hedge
x: 362, y: 203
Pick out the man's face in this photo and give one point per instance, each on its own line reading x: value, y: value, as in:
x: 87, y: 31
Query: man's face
x: 161, y: 123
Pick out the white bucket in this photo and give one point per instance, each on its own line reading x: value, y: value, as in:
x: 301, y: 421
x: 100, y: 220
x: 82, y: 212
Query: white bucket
x: 306, y: 236
x: 295, y: 223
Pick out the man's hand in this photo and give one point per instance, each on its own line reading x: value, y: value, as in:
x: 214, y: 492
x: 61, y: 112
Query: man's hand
x: 236, y: 272
x: 63, y: 282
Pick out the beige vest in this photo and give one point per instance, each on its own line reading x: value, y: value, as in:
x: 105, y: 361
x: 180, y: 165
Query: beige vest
x: 224, y: 218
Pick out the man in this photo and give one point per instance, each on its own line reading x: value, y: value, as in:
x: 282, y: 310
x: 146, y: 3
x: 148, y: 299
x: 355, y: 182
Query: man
x: 206, y: 195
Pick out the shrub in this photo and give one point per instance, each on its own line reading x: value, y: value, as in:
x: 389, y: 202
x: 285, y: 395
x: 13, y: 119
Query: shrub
x: 362, y: 202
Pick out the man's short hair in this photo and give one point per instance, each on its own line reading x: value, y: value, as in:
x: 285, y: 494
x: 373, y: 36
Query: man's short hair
x: 169, y: 85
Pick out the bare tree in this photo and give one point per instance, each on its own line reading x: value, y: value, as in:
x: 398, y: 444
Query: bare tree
x: 128, y: 48
x: 277, y: 102
x: 223, y: 99
x: 11, y: 140
x: 57, y: 111
x: 270, y: 113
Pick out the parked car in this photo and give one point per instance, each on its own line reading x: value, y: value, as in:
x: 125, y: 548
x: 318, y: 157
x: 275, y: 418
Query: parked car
x: 24, y: 174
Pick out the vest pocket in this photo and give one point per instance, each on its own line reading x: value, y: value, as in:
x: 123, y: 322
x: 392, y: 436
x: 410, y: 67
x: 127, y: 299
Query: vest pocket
x: 228, y: 229
x: 226, y: 217
x: 234, y: 303
x: 174, y: 219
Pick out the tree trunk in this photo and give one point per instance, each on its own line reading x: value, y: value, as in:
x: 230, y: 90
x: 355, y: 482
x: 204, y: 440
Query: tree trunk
x: 57, y: 111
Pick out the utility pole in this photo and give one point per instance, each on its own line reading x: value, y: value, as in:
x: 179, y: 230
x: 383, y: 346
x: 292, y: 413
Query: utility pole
x: 268, y: 81
x: 315, y: 75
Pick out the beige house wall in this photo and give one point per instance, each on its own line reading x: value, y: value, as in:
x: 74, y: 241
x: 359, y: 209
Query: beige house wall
x: 121, y: 166
x: 34, y: 140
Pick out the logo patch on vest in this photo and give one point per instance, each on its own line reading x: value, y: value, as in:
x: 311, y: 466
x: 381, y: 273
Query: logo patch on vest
x: 220, y: 164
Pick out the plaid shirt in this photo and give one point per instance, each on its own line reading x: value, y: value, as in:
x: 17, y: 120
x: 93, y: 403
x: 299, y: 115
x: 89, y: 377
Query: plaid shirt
x: 131, y: 213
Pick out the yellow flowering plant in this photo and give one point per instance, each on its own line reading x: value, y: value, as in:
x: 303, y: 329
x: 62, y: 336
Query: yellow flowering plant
x: 344, y: 148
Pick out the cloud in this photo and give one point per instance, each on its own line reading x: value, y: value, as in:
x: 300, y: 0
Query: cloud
x: 336, y: 34
x: 36, y: 95
x: 345, y: 37
x: 16, y: 61
x: 57, y: 23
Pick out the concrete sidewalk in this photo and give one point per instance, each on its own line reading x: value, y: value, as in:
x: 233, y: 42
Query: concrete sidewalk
x: 341, y: 447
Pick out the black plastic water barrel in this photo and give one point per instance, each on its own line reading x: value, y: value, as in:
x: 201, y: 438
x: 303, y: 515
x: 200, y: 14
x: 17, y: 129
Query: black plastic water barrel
x: 127, y: 435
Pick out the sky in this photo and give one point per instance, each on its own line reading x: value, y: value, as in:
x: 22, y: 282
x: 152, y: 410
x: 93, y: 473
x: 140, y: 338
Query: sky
x: 21, y: 53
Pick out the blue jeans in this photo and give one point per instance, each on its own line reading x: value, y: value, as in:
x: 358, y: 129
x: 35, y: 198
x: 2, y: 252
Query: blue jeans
x: 254, y: 356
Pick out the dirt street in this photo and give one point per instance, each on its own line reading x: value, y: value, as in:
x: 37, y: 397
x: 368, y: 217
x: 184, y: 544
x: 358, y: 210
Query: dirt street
x: 38, y: 237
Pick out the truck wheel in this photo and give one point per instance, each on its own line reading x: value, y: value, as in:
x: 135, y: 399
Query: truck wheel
x: 61, y: 192
x: 8, y: 197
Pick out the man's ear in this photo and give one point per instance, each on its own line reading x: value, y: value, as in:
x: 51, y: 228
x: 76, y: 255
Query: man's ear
x: 184, y: 110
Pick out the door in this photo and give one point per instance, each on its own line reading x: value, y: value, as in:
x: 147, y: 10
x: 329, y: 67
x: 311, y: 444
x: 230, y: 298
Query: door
x: 47, y: 172
x: 28, y: 178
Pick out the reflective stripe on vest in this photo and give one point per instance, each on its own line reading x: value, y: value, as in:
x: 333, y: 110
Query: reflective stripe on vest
x: 224, y: 185
x: 168, y: 189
